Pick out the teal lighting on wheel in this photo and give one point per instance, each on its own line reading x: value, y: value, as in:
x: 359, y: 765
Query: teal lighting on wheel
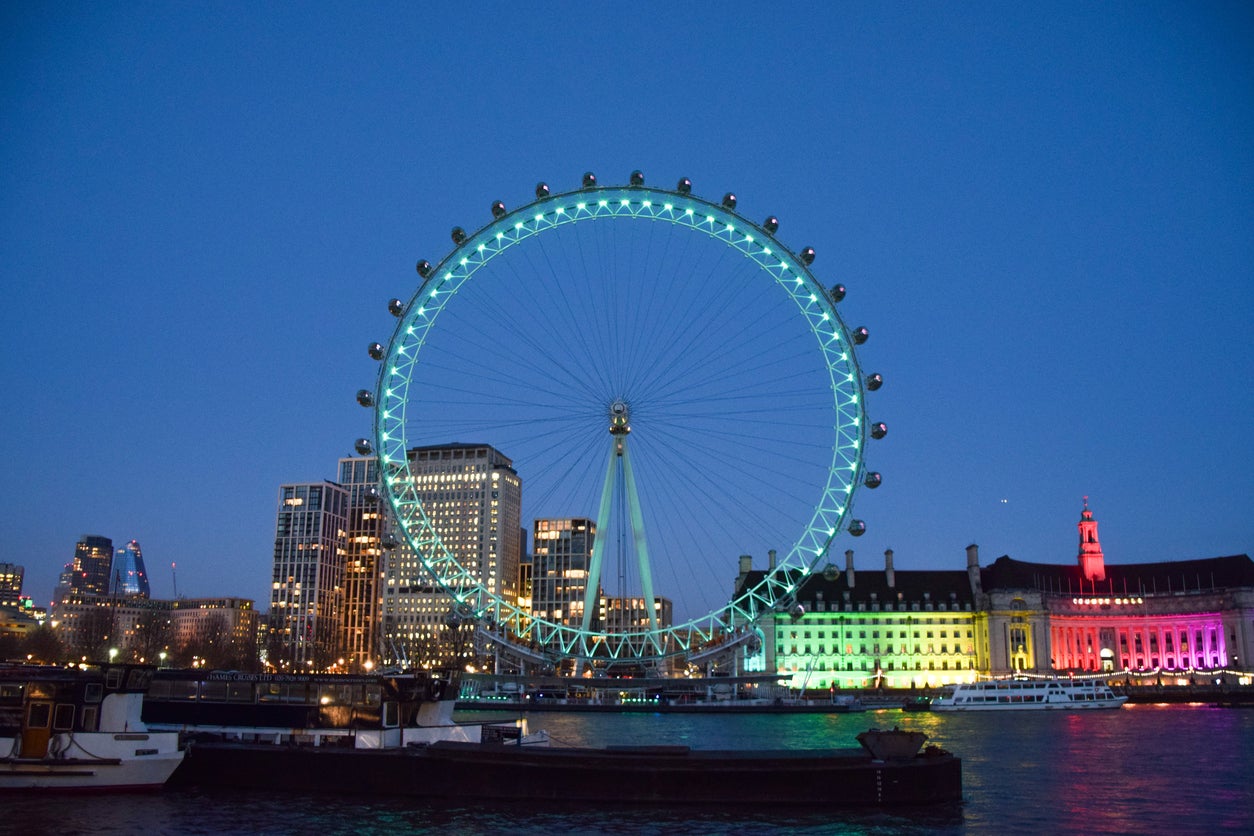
x: 519, y: 230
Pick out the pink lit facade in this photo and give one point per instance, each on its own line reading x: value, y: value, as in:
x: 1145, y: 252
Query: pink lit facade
x: 1175, y: 616
x: 1103, y: 634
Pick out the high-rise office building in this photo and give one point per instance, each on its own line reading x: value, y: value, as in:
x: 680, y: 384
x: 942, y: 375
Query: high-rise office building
x: 93, y: 557
x: 561, y: 554
x: 65, y: 584
x: 129, y: 578
x: 473, y: 498
x: 307, y: 594
x: 11, y: 584
x: 624, y: 615
x: 359, y: 641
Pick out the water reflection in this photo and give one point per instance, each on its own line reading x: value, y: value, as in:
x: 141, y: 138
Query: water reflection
x: 1141, y: 769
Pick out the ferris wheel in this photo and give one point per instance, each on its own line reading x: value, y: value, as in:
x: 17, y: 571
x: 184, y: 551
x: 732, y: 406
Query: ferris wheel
x: 651, y: 362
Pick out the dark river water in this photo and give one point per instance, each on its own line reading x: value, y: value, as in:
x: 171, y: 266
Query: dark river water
x: 1141, y: 769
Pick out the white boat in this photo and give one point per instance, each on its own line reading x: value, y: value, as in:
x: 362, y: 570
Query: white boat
x: 80, y: 729
x: 1028, y: 695
x: 378, y: 711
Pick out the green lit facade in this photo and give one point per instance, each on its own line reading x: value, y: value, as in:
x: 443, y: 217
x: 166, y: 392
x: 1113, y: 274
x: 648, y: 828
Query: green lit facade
x: 870, y: 628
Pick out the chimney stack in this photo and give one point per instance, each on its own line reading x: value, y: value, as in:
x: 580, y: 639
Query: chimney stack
x: 849, y: 567
x: 771, y: 557
x: 746, y: 564
x: 889, y: 574
x: 973, y: 569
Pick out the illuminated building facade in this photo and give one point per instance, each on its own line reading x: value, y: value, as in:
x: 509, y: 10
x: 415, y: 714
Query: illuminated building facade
x: 359, y: 641
x: 223, y: 629
x: 621, y: 615
x: 864, y: 629
x: 926, y: 628
x: 93, y: 558
x: 561, y: 554
x: 129, y: 578
x: 11, y: 584
x: 1172, y: 616
x: 473, y: 498
x: 307, y: 591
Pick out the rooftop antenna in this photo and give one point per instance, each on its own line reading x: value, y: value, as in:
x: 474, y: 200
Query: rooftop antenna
x: 175, y: 580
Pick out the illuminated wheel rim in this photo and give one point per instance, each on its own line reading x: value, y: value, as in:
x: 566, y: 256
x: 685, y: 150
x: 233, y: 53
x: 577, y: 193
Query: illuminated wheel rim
x: 520, y: 235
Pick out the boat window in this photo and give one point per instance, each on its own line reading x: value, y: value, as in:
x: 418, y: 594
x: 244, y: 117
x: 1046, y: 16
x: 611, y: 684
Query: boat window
x: 270, y: 692
x: 138, y: 680
x: 63, y: 719
x: 90, y: 714
x: 113, y: 678
x: 239, y: 691
x: 391, y: 715
x: 181, y: 689
x: 94, y: 692
x: 213, y: 690
x: 38, y: 715
x: 337, y: 694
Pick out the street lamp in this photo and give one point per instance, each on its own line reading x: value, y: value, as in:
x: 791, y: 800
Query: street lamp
x: 113, y: 653
x: 161, y: 658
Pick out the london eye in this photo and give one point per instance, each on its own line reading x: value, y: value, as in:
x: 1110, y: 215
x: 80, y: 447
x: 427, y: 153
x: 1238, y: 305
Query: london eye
x: 654, y: 363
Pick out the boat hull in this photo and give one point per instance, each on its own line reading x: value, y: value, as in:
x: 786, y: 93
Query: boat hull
x: 671, y: 775
x: 148, y: 773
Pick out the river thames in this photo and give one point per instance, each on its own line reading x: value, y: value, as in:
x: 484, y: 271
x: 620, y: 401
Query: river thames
x: 1140, y: 769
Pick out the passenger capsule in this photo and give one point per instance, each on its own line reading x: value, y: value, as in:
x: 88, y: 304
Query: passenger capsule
x: 637, y: 178
x: 830, y: 573
x: 589, y: 180
x: 807, y: 256
x: 684, y: 186
x: 837, y: 293
x: 396, y: 308
x: 372, y: 495
x: 365, y: 397
x: 498, y: 209
x: 458, y: 235
x: 542, y: 190
x: 874, y: 381
x: 873, y: 480
x: 860, y: 335
x: 729, y: 202
x: 388, y: 542
x: 363, y: 447
x: 424, y: 267
x: 771, y: 224
x: 797, y: 610
x: 857, y: 528
x: 879, y: 430
x: 375, y: 350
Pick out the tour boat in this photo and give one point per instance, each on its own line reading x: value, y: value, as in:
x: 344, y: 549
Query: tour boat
x: 80, y: 729
x: 1028, y: 695
x: 376, y: 711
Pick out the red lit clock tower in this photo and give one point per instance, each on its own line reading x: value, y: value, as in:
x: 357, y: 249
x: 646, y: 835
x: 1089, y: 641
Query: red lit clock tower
x: 1092, y: 562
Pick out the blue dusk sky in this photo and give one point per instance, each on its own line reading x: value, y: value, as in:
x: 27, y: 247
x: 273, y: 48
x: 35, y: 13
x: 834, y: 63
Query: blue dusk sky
x: 1044, y: 213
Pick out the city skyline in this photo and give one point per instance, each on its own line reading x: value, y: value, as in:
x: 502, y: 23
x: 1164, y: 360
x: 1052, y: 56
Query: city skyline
x: 1041, y: 215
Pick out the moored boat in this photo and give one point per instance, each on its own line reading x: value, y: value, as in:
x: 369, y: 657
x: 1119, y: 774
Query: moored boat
x: 378, y: 711
x: 80, y: 729
x: 1028, y: 695
x: 888, y: 771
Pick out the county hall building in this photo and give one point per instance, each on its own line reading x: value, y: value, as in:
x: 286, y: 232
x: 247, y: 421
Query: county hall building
x: 900, y: 628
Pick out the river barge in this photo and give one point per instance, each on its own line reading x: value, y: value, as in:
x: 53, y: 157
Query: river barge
x: 875, y: 775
